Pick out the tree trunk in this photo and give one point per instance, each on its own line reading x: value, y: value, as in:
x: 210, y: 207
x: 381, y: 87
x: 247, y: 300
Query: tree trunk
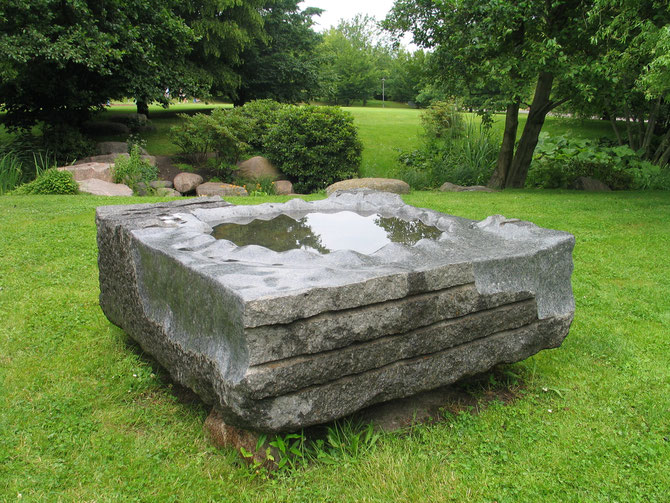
x: 541, y: 105
x: 612, y: 117
x: 649, y: 134
x: 506, y: 153
x: 143, y: 107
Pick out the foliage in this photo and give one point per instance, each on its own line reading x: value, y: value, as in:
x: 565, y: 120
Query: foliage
x: 50, y: 182
x: 442, y: 119
x: 283, y: 66
x: 10, y: 172
x: 349, y: 70
x: 62, y: 59
x: 454, y: 150
x: 492, y: 53
x: 258, y: 117
x: 221, y: 132
x: 561, y: 160
x: 133, y: 170
x: 314, y: 146
x: 262, y: 186
x: 632, y: 78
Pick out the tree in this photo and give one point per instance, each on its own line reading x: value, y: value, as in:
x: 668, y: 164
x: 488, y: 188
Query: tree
x: 349, y: 70
x: 500, y: 51
x: 632, y: 78
x: 283, y: 66
x: 61, y: 59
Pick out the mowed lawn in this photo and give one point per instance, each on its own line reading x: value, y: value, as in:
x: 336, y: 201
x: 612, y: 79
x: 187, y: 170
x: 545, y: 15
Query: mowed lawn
x: 85, y: 416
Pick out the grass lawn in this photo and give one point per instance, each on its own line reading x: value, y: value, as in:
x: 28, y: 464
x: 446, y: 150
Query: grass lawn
x: 383, y: 131
x: 84, y: 416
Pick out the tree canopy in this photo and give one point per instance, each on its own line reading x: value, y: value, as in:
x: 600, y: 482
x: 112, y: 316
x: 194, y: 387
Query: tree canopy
x: 284, y: 65
x: 498, y: 52
x: 60, y: 59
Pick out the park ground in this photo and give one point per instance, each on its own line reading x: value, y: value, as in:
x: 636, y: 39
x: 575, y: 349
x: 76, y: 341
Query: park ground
x: 85, y: 416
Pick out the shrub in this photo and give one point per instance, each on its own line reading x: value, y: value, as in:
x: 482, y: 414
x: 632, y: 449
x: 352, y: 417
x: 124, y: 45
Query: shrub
x: 221, y: 132
x: 315, y: 146
x: 442, y: 119
x: 50, y: 181
x: 466, y: 157
x: 66, y: 143
x: 259, y: 117
x: 133, y: 169
x: 559, y: 161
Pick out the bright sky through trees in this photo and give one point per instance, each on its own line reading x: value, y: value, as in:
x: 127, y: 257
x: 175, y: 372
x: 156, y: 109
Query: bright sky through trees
x: 346, y: 9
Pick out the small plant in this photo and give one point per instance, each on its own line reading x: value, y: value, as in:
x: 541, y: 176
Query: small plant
x: 442, y: 119
x: 10, y: 173
x: 560, y: 160
x: 135, y: 139
x: 133, y: 169
x: 51, y: 181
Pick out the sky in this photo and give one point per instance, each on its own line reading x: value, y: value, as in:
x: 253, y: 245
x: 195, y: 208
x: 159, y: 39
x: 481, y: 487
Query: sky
x: 346, y: 9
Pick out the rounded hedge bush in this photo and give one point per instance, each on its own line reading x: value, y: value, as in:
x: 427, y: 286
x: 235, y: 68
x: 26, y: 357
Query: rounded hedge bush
x: 315, y: 146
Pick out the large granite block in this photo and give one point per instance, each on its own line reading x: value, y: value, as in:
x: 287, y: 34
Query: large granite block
x: 281, y: 340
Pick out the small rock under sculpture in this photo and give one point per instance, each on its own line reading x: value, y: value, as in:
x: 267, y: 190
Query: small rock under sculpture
x: 277, y: 341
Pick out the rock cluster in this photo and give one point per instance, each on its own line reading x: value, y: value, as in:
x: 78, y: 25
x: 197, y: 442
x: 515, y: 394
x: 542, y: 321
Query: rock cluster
x: 277, y: 341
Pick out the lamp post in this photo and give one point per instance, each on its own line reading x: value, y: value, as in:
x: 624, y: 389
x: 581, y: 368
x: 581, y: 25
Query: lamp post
x: 383, y: 101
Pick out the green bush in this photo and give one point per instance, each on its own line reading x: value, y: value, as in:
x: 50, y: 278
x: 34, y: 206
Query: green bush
x: 442, y: 119
x: 258, y: 117
x: 50, y: 181
x: 66, y: 143
x: 222, y: 132
x: 464, y: 156
x: 315, y: 146
x: 133, y: 169
x: 559, y: 161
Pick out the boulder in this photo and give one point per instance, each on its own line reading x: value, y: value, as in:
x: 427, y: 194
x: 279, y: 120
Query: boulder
x: 86, y: 171
x: 161, y: 184
x: 186, y: 182
x: 452, y: 187
x: 589, y: 184
x: 380, y: 184
x: 278, y: 341
x: 105, y: 127
x: 102, y: 188
x: 256, y: 168
x: 167, y: 192
x: 283, y: 188
x: 111, y: 157
x: 220, y: 189
x: 114, y: 147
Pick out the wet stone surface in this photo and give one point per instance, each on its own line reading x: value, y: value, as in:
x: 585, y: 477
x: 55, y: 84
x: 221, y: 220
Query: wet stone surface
x: 279, y: 340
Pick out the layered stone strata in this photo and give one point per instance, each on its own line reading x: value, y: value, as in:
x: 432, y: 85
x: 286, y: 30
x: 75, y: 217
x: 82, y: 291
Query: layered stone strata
x: 281, y: 340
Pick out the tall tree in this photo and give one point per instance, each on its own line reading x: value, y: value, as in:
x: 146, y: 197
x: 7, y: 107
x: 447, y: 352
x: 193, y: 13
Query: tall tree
x: 284, y: 66
x: 62, y: 58
x: 349, y: 70
x: 505, y: 51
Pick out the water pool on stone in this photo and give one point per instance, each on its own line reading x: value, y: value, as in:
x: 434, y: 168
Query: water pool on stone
x: 327, y: 232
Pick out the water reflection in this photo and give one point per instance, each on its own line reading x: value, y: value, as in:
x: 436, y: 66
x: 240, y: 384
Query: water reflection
x: 327, y: 232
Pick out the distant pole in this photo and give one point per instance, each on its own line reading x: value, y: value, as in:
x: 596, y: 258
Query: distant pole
x: 383, y: 101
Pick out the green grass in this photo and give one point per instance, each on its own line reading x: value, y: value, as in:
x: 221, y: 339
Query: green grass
x: 85, y: 416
